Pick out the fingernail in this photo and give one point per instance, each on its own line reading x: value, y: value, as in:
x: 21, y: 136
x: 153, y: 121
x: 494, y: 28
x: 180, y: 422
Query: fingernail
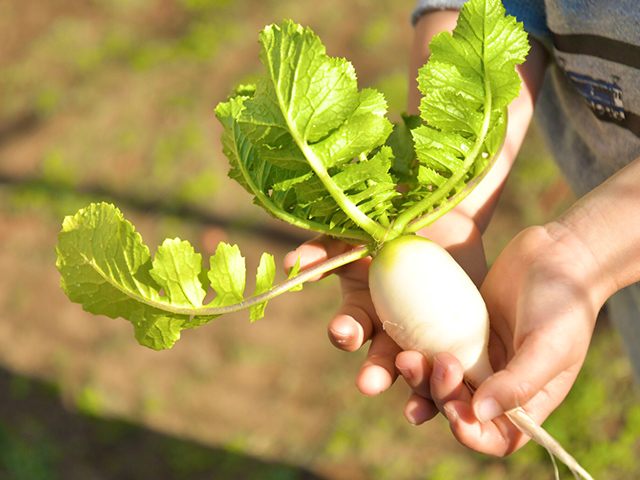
x: 451, y: 414
x: 438, y: 369
x: 487, y: 410
x: 405, y: 372
x: 340, y: 337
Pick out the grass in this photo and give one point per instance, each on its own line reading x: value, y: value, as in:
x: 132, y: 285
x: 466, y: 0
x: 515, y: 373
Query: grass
x: 126, y: 115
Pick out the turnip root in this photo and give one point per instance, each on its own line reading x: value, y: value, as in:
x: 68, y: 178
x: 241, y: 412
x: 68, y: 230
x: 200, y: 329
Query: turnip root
x: 426, y: 302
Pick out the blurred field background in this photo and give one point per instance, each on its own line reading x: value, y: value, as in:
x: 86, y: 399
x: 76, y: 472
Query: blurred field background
x: 113, y: 100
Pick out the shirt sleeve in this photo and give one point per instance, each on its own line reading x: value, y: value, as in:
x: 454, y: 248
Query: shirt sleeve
x: 531, y: 13
x: 424, y: 6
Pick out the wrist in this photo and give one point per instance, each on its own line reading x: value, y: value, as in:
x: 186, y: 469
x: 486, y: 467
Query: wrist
x: 604, y: 225
x: 588, y: 269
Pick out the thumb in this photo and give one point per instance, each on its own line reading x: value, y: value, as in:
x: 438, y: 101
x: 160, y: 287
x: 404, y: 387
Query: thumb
x: 539, y: 360
x: 315, y: 251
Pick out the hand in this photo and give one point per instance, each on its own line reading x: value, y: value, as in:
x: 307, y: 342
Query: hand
x: 543, y: 299
x: 356, y: 321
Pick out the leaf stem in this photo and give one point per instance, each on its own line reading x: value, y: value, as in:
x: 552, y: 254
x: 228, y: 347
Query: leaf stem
x: 304, y: 276
x: 373, y: 228
x: 266, y: 202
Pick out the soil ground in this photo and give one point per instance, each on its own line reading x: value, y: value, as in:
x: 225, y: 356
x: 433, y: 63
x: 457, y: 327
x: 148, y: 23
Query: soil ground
x: 113, y: 100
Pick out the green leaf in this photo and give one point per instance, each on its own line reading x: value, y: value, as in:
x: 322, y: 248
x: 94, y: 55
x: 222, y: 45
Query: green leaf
x: 366, y: 183
x: 307, y: 126
x: 293, y: 272
x: 271, y: 183
x: 482, y: 52
x: 314, y: 94
x: 106, y: 267
x: 177, y: 269
x: 314, y: 99
x: 365, y: 129
x: 227, y: 275
x: 467, y: 84
x: 401, y: 143
x: 305, y: 118
x: 441, y: 151
x: 265, y: 276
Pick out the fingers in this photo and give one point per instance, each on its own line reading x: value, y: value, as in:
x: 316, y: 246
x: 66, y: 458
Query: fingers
x: 447, y: 380
x: 352, y: 325
x: 433, y: 387
x: 419, y: 410
x: 441, y: 383
x: 499, y: 437
x: 356, y: 321
x: 442, y: 388
x: 378, y: 372
x: 454, y: 400
x: 415, y: 369
x: 542, y: 358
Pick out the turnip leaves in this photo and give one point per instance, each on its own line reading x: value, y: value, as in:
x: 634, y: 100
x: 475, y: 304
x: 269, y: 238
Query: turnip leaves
x: 106, y: 267
x: 305, y: 128
x: 294, y: 140
x: 467, y: 84
x: 314, y: 151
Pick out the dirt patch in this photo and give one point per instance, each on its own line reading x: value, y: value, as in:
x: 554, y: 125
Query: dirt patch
x: 126, y: 115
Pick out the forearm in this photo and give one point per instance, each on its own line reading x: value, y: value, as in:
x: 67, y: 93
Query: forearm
x: 605, y: 225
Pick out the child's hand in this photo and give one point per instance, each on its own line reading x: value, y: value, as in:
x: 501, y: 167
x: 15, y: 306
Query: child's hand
x: 539, y: 301
x: 356, y: 321
x: 543, y: 301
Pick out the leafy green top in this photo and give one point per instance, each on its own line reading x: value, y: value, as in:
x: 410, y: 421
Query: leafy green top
x: 316, y: 152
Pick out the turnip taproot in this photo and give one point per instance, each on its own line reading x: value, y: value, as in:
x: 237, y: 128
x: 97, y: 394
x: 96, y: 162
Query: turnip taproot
x: 426, y: 302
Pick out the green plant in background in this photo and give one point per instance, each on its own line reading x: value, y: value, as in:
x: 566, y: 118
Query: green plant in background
x: 611, y: 450
x: 29, y: 455
x: 89, y: 400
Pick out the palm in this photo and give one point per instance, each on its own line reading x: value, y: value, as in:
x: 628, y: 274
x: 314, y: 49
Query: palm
x: 541, y: 321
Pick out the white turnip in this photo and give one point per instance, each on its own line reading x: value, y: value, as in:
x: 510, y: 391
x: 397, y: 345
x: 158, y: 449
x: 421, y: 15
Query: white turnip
x: 426, y: 302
